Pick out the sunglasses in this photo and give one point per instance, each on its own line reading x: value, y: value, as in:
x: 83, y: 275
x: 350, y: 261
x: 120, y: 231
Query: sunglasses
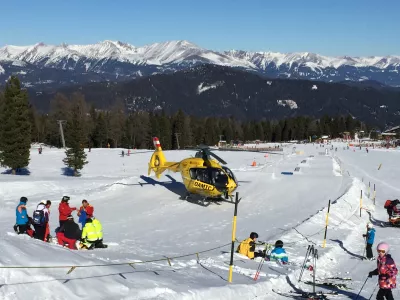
x: 381, y: 251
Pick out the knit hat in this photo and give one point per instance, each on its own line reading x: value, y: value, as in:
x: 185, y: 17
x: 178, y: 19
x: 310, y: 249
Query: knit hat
x: 23, y: 199
x: 279, y: 244
x: 65, y: 198
x: 383, y: 246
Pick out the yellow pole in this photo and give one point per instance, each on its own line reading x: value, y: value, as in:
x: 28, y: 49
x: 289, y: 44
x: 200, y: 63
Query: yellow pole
x: 326, y: 224
x: 380, y: 165
x: 233, y: 237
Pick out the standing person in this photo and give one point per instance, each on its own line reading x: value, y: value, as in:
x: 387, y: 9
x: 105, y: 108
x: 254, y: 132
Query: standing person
x: 69, y: 233
x: 22, y: 224
x: 85, y: 212
x: 370, y: 237
x: 40, y: 219
x: 278, y: 253
x: 64, y: 210
x: 387, y: 272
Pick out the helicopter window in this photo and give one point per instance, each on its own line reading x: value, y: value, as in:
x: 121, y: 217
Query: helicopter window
x: 229, y: 172
x: 209, y: 175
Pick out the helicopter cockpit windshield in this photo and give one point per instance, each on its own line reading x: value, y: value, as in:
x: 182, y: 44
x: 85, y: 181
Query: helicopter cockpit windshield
x: 230, y: 173
x: 214, y: 176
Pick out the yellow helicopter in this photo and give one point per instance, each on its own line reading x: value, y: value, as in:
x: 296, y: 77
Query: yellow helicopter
x: 201, y: 174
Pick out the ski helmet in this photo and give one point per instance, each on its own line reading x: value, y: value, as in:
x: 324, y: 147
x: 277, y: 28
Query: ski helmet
x: 383, y: 246
x: 23, y: 199
x: 369, y: 225
x: 65, y: 198
x: 254, y: 235
x: 279, y: 244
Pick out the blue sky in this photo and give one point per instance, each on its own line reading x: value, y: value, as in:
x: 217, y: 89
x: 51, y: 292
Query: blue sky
x: 337, y: 27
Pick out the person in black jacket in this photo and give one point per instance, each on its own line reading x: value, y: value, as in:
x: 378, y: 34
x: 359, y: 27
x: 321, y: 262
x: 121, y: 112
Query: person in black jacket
x: 68, y: 233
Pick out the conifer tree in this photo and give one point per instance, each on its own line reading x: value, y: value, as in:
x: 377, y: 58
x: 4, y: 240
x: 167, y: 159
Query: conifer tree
x: 15, y: 126
x: 76, y: 156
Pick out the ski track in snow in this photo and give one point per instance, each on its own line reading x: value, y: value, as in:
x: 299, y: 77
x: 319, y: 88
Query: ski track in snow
x: 149, y: 222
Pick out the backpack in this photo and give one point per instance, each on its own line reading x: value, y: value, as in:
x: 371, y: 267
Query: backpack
x: 38, y: 217
x: 388, y: 204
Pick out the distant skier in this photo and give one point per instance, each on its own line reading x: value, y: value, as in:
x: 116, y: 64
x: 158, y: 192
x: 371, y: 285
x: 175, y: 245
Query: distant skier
x: 278, y: 253
x: 366, y: 149
x: 69, y: 233
x: 370, y: 237
x: 387, y: 272
x: 248, y: 246
x: 64, y: 209
x: 22, y: 224
x: 40, y: 219
x: 85, y: 212
x: 122, y: 153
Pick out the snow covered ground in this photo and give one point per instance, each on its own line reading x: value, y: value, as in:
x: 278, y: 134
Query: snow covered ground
x: 149, y: 222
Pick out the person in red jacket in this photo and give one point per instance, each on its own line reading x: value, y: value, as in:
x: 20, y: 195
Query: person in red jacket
x: 64, y: 210
x: 85, y: 212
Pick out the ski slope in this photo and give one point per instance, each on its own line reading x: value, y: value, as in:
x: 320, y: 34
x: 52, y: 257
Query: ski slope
x: 145, y: 220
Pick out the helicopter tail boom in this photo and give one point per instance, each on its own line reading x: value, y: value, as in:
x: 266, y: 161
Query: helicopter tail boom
x: 158, y: 163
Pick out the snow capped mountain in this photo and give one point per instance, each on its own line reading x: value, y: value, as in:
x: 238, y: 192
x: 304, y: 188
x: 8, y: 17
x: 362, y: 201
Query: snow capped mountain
x: 116, y: 61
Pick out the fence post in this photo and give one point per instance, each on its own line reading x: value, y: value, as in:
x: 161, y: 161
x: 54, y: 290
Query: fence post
x: 326, y: 224
x: 369, y: 189
x: 374, y: 194
x: 233, y: 237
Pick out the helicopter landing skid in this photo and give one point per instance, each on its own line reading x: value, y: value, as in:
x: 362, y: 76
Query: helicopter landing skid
x: 206, y: 201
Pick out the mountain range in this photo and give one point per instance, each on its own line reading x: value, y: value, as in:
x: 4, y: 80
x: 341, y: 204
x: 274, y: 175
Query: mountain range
x: 48, y: 66
x: 212, y: 90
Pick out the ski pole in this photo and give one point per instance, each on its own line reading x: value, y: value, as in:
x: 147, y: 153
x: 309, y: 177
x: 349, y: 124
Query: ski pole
x: 305, y: 260
x: 373, y: 292
x: 362, y: 288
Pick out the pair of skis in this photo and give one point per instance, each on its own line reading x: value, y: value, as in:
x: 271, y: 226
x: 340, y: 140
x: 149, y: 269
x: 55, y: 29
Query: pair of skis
x: 305, y: 295
x: 268, y: 248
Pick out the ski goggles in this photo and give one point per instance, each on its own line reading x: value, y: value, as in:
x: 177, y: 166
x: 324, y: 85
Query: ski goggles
x: 381, y: 251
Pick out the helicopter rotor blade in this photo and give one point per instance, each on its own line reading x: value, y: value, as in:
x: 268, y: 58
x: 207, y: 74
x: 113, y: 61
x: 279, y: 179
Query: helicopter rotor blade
x: 217, y: 157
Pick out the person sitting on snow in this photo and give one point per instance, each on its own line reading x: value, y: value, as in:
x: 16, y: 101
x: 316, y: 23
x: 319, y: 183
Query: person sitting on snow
x: 89, y: 236
x: 370, y: 236
x: 22, y: 224
x: 248, y: 246
x: 40, y: 219
x: 278, y: 253
x: 85, y: 212
x: 69, y: 233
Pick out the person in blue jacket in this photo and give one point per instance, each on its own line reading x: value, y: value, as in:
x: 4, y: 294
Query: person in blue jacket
x: 370, y: 237
x: 22, y: 224
x: 278, y: 253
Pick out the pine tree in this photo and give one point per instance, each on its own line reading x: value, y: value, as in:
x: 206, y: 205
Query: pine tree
x: 15, y: 126
x: 76, y: 156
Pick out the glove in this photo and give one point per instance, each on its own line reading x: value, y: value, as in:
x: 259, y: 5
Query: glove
x: 364, y: 235
x: 370, y: 274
